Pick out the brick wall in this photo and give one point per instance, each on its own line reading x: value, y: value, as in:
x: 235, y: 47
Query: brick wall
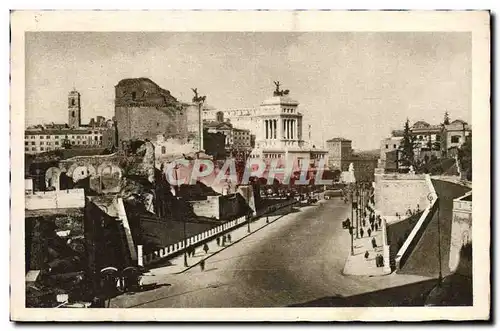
x: 148, y: 122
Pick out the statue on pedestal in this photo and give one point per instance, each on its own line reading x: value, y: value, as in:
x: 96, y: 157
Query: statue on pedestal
x: 351, y: 167
x: 278, y: 92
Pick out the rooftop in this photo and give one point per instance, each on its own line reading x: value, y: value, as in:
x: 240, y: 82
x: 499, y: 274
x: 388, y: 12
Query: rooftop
x: 280, y: 100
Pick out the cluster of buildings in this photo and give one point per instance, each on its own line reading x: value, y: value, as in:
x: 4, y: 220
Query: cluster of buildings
x: 99, y: 133
x: 430, y: 141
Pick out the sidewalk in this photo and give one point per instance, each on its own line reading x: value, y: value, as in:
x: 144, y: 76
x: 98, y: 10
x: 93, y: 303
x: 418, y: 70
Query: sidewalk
x: 357, y: 264
x: 176, y: 264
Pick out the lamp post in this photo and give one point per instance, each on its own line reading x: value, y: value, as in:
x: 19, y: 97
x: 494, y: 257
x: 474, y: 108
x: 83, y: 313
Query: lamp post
x: 357, y: 212
x: 430, y: 197
x: 248, y: 212
x: 176, y: 168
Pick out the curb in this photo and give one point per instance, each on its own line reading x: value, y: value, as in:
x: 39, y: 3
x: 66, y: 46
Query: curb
x: 232, y: 243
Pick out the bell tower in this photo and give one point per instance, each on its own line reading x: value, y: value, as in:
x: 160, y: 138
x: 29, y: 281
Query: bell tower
x: 74, y: 109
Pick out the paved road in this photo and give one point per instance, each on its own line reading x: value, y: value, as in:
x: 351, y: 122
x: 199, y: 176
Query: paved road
x: 297, y: 259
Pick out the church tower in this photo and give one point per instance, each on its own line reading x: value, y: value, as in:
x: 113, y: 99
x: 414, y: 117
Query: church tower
x: 74, y: 109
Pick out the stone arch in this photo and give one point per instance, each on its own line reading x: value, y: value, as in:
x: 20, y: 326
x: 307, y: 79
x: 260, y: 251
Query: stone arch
x: 109, y: 167
x: 79, y: 171
x: 52, y: 178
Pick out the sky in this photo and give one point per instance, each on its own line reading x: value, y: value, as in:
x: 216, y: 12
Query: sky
x: 356, y: 85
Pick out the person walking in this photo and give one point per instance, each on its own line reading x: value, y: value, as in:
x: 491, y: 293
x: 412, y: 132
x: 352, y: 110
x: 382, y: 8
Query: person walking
x: 376, y: 227
x: 229, y: 237
x: 218, y: 241
x: 374, y: 243
x: 202, y: 265
x: 224, y: 240
x: 205, y: 248
x: 361, y: 232
x: 369, y: 232
x: 373, y: 227
x: 367, y: 255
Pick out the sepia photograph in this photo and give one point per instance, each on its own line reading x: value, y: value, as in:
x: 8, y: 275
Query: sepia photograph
x: 320, y: 160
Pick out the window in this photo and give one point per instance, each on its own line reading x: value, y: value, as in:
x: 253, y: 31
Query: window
x: 33, y: 148
x: 26, y: 143
x: 48, y: 137
x: 163, y: 149
x: 100, y: 138
x: 41, y: 137
x: 41, y: 148
x: 78, y: 137
x: 73, y: 142
x: 56, y: 137
x: 73, y: 103
x: 394, y: 146
x: 95, y: 138
x: 42, y: 143
x: 32, y: 142
x: 455, y: 139
x: 157, y: 124
x: 32, y: 137
x: 84, y: 142
x: 134, y: 94
x: 386, y: 146
x: 56, y: 143
x: 73, y: 113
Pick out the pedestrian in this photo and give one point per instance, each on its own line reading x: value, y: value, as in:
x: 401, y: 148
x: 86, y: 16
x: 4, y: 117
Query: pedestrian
x: 361, y: 232
x: 205, y: 248
x: 364, y: 222
x: 367, y: 255
x: 218, y: 241
x: 202, y: 265
x: 224, y: 240
x: 376, y: 227
x: 373, y: 227
x: 229, y: 237
x: 374, y: 243
x: 369, y: 232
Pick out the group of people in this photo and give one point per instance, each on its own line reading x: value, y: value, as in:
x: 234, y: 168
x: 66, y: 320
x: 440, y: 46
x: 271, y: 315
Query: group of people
x: 375, y: 224
x: 221, y: 241
x: 410, y: 212
x: 191, y: 251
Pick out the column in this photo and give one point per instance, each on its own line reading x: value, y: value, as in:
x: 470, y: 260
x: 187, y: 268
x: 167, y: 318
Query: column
x: 267, y: 128
x: 282, y: 128
x: 293, y: 128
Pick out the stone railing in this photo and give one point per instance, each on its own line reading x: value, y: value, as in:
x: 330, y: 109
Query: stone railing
x: 419, y: 228
x: 209, y: 234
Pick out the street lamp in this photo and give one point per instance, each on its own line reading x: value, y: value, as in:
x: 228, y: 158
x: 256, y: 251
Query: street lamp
x: 176, y: 167
x: 357, y: 212
x: 430, y: 197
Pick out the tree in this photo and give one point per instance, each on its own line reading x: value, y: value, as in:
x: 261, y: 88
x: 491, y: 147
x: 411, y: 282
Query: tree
x: 407, y: 146
x: 446, y: 120
x: 465, y: 158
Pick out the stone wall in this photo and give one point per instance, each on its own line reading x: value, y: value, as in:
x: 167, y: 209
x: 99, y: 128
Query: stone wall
x: 461, y: 230
x: 74, y: 198
x: 396, y: 193
x: 207, y: 208
x: 146, y: 122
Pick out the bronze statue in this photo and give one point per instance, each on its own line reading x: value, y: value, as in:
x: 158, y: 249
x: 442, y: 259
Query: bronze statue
x: 279, y: 92
x: 196, y: 98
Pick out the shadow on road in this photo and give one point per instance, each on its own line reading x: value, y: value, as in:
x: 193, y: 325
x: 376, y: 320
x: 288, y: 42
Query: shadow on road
x: 406, y: 295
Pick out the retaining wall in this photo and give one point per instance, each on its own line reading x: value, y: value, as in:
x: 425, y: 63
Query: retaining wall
x: 195, y: 240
